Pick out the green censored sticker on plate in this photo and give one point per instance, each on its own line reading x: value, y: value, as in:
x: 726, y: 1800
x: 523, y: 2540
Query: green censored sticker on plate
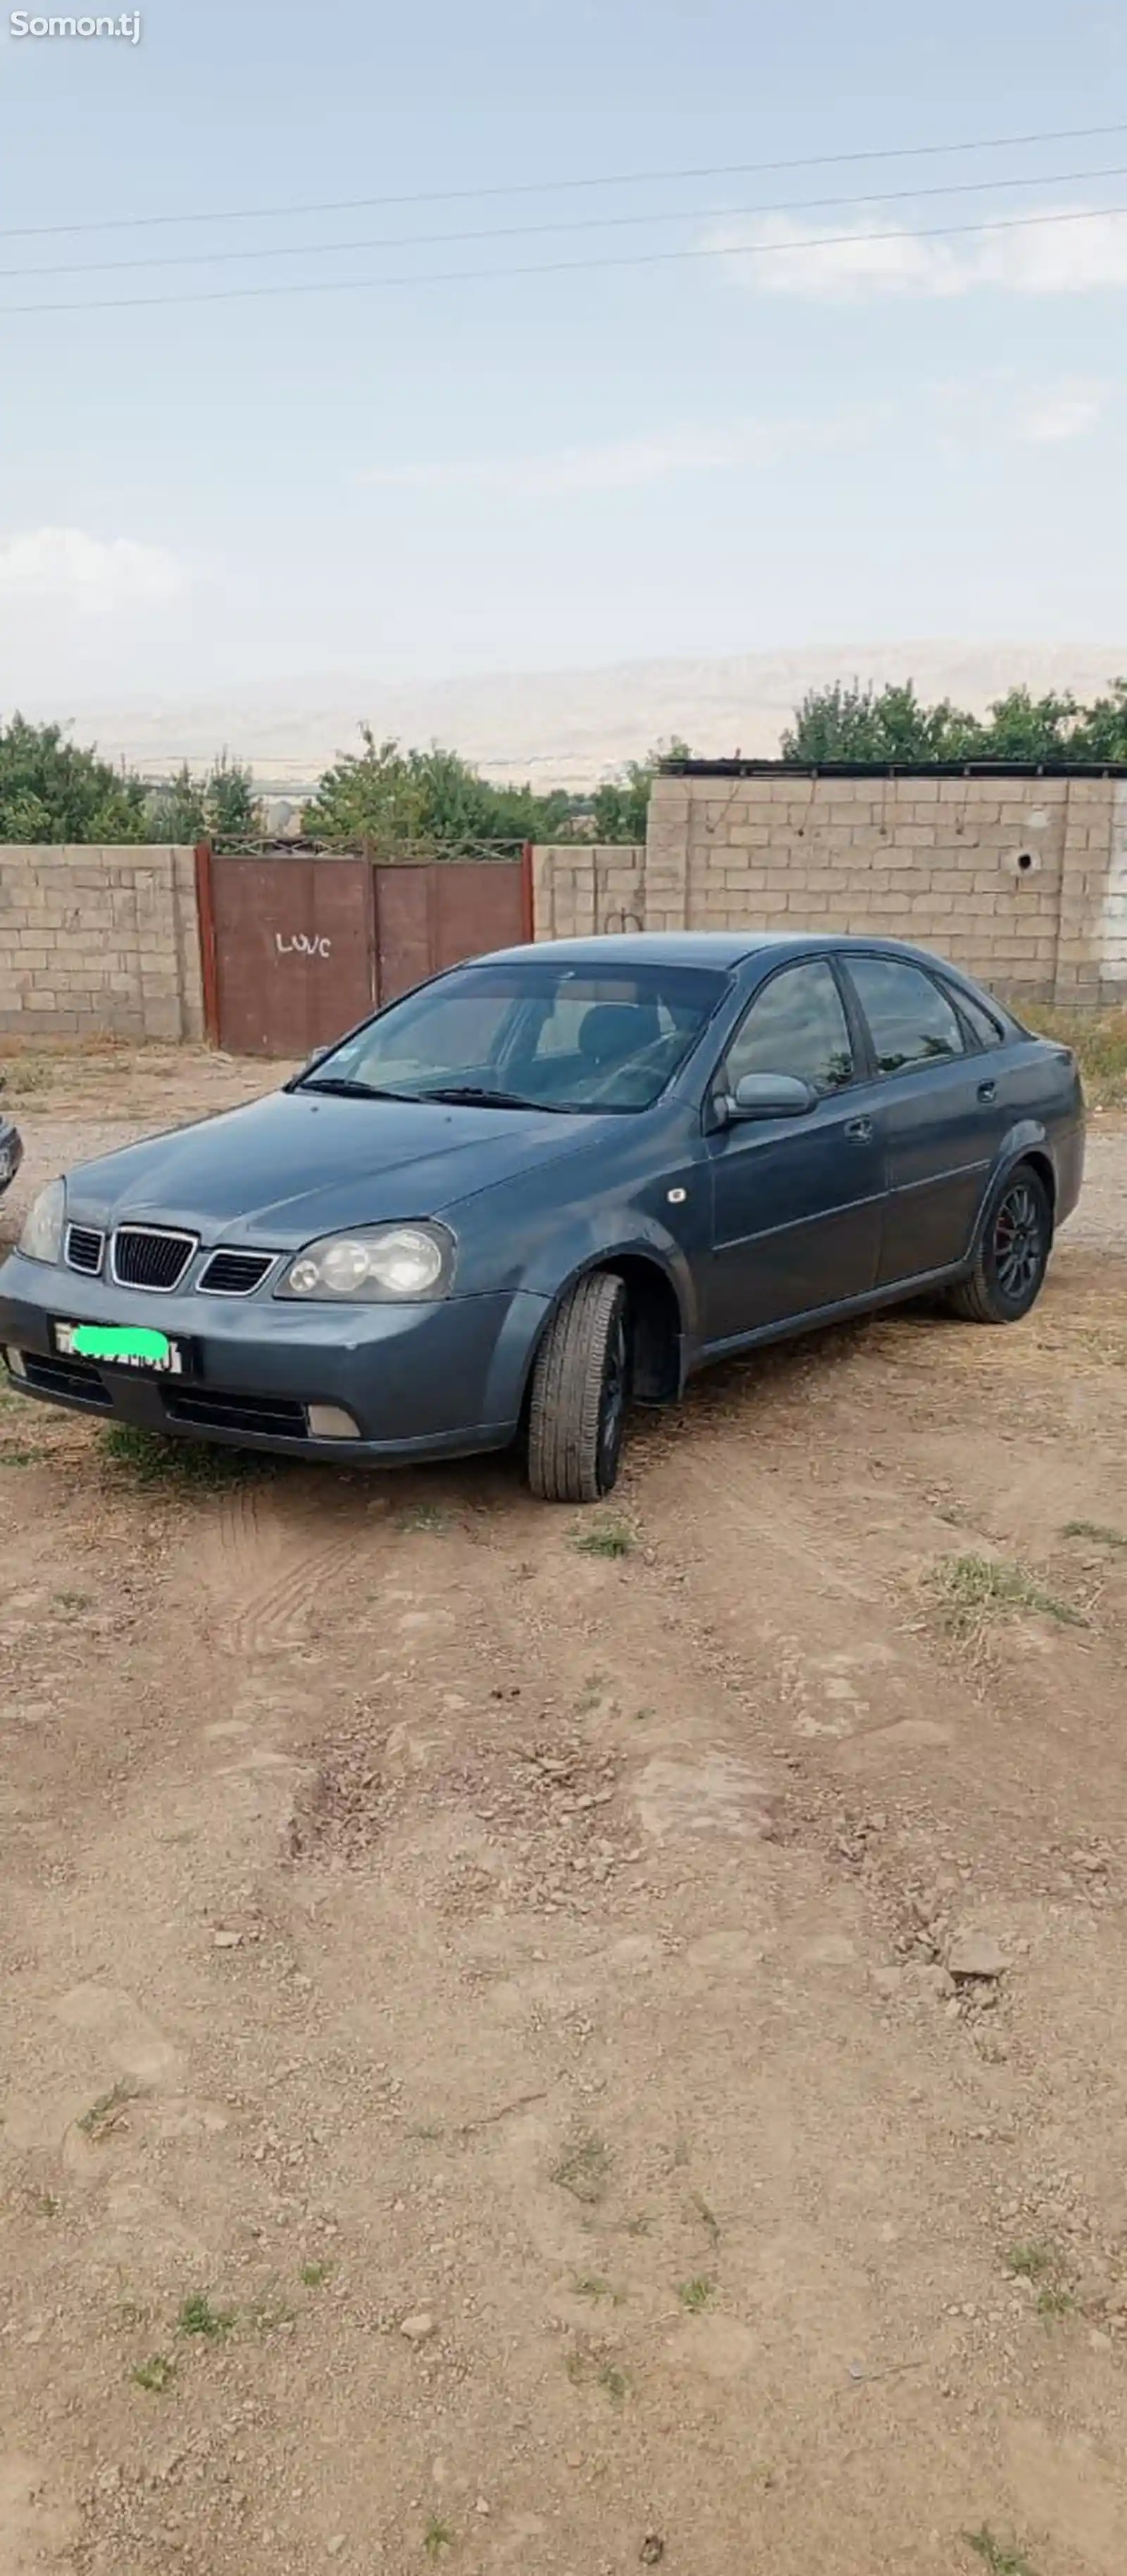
x: 121, y: 1342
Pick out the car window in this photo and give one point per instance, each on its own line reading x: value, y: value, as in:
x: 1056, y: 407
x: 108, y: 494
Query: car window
x: 911, y: 1021
x: 541, y: 1031
x: 797, y: 1025
x: 984, y: 1028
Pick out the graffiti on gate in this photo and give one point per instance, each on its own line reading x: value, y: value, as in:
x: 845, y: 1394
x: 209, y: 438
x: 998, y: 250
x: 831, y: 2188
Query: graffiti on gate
x: 301, y: 945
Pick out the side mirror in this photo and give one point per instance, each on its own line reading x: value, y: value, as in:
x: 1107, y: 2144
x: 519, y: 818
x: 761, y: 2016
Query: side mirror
x: 770, y: 1095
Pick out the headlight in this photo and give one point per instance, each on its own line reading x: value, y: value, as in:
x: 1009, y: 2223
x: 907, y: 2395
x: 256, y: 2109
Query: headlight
x: 375, y: 1264
x: 42, y: 1237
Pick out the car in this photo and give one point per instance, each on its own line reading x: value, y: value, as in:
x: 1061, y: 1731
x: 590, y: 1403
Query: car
x: 547, y: 1182
x: 11, y: 1149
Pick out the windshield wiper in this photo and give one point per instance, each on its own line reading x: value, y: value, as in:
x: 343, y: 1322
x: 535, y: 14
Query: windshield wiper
x: 474, y: 1095
x: 344, y: 1088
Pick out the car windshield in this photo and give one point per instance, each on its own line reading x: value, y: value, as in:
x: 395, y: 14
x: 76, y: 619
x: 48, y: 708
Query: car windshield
x: 530, y: 1033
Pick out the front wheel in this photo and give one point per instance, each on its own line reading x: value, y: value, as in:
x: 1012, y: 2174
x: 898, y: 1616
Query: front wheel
x: 1013, y: 1254
x: 577, y: 1404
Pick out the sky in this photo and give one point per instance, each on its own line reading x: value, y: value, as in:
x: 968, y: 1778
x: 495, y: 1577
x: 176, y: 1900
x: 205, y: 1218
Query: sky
x: 563, y: 406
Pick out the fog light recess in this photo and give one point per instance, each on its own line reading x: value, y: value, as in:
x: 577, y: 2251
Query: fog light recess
x: 330, y: 1422
x: 15, y: 1363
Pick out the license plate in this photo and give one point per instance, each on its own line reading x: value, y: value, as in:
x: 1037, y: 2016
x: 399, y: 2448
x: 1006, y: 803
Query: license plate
x: 121, y: 1346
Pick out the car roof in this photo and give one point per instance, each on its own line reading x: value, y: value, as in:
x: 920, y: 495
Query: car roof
x: 723, y: 949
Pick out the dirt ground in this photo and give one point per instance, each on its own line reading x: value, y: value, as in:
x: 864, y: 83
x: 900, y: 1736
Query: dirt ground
x: 520, y: 2058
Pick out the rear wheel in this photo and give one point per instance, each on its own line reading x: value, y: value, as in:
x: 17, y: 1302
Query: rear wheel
x: 1013, y: 1253
x: 577, y: 1403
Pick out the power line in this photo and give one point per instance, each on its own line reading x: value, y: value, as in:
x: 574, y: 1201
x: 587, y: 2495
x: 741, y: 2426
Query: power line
x: 542, y: 187
x: 584, y: 224
x: 567, y: 267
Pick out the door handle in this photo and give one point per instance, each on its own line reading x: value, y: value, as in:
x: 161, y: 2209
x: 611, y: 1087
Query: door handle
x: 859, y: 1130
x: 988, y: 1091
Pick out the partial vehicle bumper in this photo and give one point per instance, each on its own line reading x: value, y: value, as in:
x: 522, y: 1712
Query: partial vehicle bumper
x: 11, y: 1153
x: 417, y: 1381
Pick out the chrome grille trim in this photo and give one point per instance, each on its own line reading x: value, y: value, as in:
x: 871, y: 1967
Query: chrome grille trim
x: 258, y: 1266
x: 81, y: 1238
x: 152, y: 1235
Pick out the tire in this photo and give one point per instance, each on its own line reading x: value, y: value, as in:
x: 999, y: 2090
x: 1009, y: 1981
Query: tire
x: 577, y: 1400
x: 1013, y: 1253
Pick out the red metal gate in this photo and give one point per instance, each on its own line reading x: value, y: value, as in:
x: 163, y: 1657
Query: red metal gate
x: 291, y: 962
x: 296, y: 948
x: 430, y: 917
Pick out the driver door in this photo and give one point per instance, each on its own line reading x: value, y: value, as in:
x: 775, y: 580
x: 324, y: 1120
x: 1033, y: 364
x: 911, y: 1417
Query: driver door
x: 796, y: 1202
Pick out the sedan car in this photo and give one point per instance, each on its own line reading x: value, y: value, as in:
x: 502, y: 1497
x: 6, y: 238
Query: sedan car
x: 11, y: 1149
x: 547, y: 1182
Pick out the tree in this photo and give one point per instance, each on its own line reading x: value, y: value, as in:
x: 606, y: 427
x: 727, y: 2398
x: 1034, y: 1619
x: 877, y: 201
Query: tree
x: 851, y: 722
x: 53, y: 790
x: 620, y: 807
x: 219, y: 804
x: 424, y: 804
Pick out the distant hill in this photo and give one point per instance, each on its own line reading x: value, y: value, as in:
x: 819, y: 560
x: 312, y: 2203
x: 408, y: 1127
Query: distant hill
x: 562, y: 728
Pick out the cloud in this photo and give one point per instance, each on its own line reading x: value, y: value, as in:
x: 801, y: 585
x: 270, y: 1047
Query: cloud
x: 1077, y: 257
x: 620, y: 464
x: 1069, y: 413
x: 79, y: 571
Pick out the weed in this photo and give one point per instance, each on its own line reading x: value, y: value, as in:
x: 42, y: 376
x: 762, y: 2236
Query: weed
x: 707, y: 2217
x: 591, y: 2285
x: 1000, y: 2560
x: 198, y: 2317
x: 1096, y: 1531
x: 29, y: 1073
x: 1030, y: 2262
x: 584, y: 2170
x: 615, y: 2382
x: 1055, y: 2301
x: 107, y: 2113
x: 430, y: 2130
x: 639, y: 2226
x: 153, y: 1461
x: 603, y: 1538
x: 156, y: 2374
x: 437, y: 2537
x: 425, y: 1516
x: 23, y: 1457
x: 73, y: 1600
x: 970, y: 1591
x: 48, y: 2205
x: 696, y: 2295
x: 315, y: 2275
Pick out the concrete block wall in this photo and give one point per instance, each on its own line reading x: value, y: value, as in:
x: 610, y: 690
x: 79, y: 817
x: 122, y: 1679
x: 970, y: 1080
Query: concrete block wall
x: 1021, y: 881
x: 98, y: 942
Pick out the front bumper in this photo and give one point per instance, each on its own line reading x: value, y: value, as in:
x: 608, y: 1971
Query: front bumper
x: 420, y: 1381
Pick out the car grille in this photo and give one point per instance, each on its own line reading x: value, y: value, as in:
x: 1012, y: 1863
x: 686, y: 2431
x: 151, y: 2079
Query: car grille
x: 235, y: 1274
x: 77, y: 1380
x: 84, y: 1249
x: 151, y: 1256
x: 262, y: 1416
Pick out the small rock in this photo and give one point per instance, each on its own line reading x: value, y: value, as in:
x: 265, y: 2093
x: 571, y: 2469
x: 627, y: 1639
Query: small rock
x: 481, y: 2506
x: 228, y: 1940
x: 334, y: 2546
x: 976, y: 1954
x: 418, y: 2329
x: 652, y: 2550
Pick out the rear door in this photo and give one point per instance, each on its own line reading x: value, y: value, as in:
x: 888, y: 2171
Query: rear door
x: 796, y: 1201
x: 939, y: 1110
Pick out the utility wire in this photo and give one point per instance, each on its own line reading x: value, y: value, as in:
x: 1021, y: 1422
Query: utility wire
x: 584, y: 224
x: 567, y: 267
x: 542, y: 187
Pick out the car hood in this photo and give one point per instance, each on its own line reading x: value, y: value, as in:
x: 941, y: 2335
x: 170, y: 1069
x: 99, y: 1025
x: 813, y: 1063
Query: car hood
x: 298, y: 1164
